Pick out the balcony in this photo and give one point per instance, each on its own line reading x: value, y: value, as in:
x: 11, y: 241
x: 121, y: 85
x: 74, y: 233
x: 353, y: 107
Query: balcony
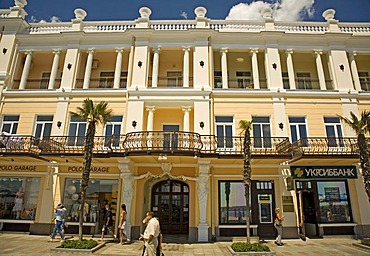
x: 101, y: 83
x: 181, y: 144
x: 169, y: 82
x: 36, y: 84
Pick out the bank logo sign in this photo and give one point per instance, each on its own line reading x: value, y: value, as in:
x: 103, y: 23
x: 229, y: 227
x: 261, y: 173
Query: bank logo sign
x: 323, y: 172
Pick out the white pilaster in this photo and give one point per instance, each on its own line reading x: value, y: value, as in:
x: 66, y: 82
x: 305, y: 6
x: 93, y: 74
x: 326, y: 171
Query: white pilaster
x: 186, y: 66
x: 117, y: 71
x: 127, y: 176
x: 150, y: 123
x: 186, y: 121
x: 54, y: 69
x: 155, y: 67
x: 291, y: 75
x: 225, y: 84
x: 256, y: 77
x: 356, y: 79
x: 89, y: 62
x: 320, y: 70
x: 26, y: 70
x: 202, y: 182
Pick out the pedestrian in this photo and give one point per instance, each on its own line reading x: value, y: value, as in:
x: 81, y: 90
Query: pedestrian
x: 122, y: 225
x: 108, y: 221
x: 59, y: 215
x: 151, y: 235
x: 278, y: 224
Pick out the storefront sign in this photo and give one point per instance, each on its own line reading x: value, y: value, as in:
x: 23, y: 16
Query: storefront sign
x: 323, y: 172
x: 92, y: 169
x: 18, y: 168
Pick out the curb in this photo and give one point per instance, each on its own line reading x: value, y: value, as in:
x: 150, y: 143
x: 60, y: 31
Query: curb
x: 361, y: 246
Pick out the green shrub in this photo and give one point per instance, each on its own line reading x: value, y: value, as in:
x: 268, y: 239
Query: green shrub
x: 245, y: 247
x: 77, y: 244
x: 366, y: 241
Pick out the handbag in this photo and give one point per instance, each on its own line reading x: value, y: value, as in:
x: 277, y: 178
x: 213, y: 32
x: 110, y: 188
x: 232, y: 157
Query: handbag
x: 277, y: 222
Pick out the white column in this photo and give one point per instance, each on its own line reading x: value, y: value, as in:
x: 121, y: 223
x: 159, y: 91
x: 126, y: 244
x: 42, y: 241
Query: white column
x: 54, y: 69
x: 26, y: 70
x: 202, y: 182
x: 88, y: 69
x: 150, y: 123
x: 186, y: 66
x: 320, y: 70
x: 155, y: 67
x: 256, y: 76
x: 186, y: 121
x: 128, y: 179
x: 225, y: 84
x: 117, y: 71
x: 356, y: 79
x: 291, y: 75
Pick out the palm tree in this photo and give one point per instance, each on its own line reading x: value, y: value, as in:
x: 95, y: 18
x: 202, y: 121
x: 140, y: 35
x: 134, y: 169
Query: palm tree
x: 361, y: 127
x: 93, y: 115
x: 246, y: 127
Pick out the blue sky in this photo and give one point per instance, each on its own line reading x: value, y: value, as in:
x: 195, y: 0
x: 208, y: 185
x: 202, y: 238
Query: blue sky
x: 62, y: 10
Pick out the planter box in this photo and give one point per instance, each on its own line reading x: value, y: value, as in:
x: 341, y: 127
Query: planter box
x: 250, y: 253
x: 70, y: 250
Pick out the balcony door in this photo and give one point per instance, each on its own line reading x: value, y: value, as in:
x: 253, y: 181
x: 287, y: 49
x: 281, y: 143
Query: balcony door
x: 170, y: 202
x: 170, y: 137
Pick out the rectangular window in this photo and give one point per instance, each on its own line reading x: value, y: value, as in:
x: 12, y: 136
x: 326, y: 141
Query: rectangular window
x: 334, y: 133
x: 19, y: 197
x: 262, y: 132
x: 76, y: 133
x: 45, y: 80
x: 218, y: 79
x: 298, y: 130
x: 99, y: 193
x: 285, y: 80
x: 174, y: 79
x: 364, y: 81
x: 243, y: 79
x: 333, y: 201
x: 232, y: 202
x: 10, y: 124
x: 43, y: 126
x: 224, y: 131
x: 113, y: 131
x: 304, y: 81
x: 106, y: 79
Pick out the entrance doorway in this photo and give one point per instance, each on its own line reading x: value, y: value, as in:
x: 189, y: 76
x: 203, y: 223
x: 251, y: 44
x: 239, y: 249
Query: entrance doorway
x: 170, y: 202
x: 307, y: 209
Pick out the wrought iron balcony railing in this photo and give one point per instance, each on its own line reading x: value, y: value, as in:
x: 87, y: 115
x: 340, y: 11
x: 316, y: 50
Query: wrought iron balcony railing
x: 180, y: 143
x: 325, y: 146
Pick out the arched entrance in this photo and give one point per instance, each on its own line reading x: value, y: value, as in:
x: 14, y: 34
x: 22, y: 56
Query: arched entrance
x: 170, y: 202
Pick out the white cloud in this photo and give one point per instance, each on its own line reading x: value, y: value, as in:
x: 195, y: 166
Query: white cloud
x: 287, y: 10
x: 184, y: 14
x: 55, y: 19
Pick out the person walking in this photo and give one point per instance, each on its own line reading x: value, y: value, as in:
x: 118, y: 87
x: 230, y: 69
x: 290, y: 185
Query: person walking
x: 59, y: 215
x: 122, y: 225
x: 150, y: 235
x: 278, y: 224
x: 107, y: 227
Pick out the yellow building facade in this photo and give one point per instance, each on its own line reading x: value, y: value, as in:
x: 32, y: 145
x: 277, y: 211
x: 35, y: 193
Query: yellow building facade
x: 178, y: 90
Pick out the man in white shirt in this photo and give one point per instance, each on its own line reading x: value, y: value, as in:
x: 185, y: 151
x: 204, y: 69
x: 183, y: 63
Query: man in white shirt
x: 150, y: 235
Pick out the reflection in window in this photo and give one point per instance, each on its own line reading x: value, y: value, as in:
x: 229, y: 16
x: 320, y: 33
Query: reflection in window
x: 232, y: 202
x: 18, y: 197
x: 333, y: 201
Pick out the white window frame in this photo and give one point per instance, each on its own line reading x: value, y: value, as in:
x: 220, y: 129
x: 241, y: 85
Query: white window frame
x: 225, y: 146
x: 42, y: 123
x: 13, y: 124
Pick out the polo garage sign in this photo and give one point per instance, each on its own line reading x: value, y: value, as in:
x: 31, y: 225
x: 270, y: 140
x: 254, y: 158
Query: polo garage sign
x: 324, y: 172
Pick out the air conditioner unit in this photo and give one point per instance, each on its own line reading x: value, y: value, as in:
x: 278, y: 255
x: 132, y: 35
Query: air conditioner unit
x: 95, y: 64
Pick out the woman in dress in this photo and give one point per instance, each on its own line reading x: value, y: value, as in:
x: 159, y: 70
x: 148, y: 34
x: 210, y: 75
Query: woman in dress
x: 18, y: 203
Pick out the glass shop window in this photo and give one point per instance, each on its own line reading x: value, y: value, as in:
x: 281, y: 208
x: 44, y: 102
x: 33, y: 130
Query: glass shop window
x: 333, y: 201
x: 18, y: 197
x: 99, y: 193
x: 232, y: 202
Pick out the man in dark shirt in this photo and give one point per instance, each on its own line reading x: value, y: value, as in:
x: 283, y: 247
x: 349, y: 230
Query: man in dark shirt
x: 108, y: 221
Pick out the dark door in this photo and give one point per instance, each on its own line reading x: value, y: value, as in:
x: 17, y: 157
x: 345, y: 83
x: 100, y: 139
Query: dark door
x: 263, y: 205
x: 170, y: 139
x: 309, y: 212
x: 170, y: 202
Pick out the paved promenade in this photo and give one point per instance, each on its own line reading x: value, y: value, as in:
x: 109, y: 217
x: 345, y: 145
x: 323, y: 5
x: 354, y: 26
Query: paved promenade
x: 32, y: 245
